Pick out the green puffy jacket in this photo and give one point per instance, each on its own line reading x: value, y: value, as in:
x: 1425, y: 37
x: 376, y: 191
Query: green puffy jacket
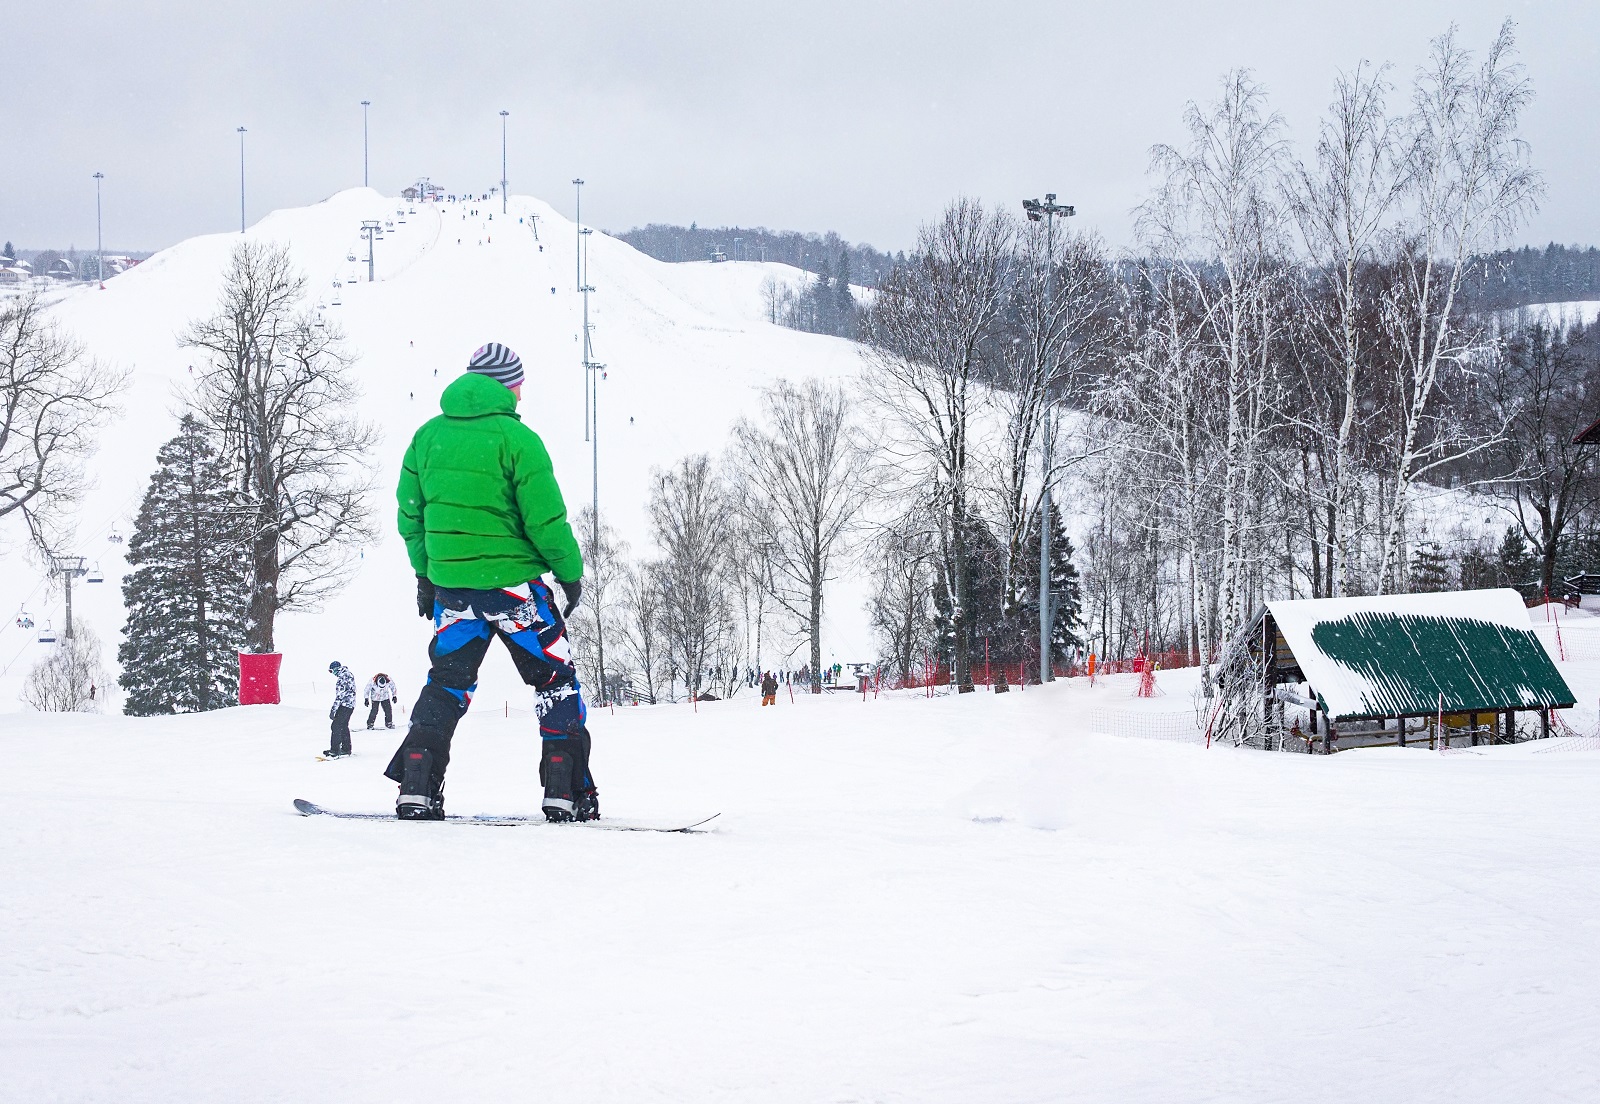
x: 479, y: 505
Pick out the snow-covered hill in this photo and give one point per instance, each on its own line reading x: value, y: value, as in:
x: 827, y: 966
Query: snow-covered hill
x: 686, y: 347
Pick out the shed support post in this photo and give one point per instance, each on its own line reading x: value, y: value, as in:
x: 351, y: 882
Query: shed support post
x: 1544, y: 723
x: 1401, y: 723
x: 1511, y: 726
x: 1328, y: 737
x: 1472, y: 722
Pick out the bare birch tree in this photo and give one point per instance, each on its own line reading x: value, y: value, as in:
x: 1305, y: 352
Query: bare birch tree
x: 1344, y: 202
x: 1469, y: 184
x: 1217, y: 222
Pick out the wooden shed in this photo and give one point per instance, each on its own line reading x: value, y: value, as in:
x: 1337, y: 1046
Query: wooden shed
x: 1451, y: 667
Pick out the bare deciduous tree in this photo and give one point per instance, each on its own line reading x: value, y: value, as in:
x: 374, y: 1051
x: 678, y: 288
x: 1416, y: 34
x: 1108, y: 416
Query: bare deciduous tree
x: 277, y: 393
x: 691, y: 524
x: 802, y: 475
x: 604, y: 562
x: 52, y: 397
x: 927, y: 337
x: 70, y: 679
x: 1469, y: 185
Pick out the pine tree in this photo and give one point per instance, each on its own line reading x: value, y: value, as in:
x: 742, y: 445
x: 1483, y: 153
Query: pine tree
x: 1066, y: 594
x: 9, y: 252
x: 187, y: 598
x: 1516, y: 566
x: 1430, y: 571
x: 844, y: 304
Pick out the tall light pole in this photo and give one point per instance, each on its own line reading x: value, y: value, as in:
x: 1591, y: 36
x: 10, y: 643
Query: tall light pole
x: 1048, y: 211
x: 241, y: 179
x: 503, y: 185
x: 365, y: 182
x: 99, y: 240
x: 578, y: 218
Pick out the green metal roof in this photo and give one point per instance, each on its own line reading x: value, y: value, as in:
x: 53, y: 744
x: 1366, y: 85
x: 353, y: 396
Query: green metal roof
x: 1387, y: 664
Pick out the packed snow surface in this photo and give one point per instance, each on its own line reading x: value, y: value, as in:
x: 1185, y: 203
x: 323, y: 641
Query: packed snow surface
x: 948, y: 900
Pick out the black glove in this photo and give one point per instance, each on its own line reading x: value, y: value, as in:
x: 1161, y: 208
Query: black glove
x: 332, y: 712
x: 574, y: 593
x: 424, y: 597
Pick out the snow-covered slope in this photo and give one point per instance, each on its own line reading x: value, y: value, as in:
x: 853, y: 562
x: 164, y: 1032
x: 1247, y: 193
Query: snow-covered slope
x: 686, y: 347
x: 990, y: 904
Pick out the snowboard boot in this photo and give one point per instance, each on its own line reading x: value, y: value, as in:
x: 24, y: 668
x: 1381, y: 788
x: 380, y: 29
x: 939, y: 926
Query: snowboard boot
x: 556, y: 772
x: 587, y: 805
x: 421, y: 798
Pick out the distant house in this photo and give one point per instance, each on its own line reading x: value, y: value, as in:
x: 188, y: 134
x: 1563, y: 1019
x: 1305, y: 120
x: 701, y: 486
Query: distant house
x: 9, y: 275
x: 61, y: 269
x: 1443, y: 667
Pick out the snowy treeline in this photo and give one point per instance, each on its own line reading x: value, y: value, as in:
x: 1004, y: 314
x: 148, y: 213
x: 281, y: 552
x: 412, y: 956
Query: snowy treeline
x: 1260, y: 395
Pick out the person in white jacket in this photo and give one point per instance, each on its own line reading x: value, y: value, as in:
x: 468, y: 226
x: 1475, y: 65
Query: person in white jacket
x: 380, y: 691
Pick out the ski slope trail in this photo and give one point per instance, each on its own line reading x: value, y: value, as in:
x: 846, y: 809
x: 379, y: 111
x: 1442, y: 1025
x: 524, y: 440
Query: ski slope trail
x: 988, y: 904
x: 686, y: 349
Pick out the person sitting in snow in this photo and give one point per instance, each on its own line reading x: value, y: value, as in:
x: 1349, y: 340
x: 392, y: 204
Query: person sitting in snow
x: 380, y: 691
x: 483, y: 521
x: 344, y: 704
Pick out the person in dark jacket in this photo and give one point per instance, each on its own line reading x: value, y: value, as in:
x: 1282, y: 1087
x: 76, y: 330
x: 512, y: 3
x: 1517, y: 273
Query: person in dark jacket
x: 483, y: 521
x: 344, y: 704
x: 769, y: 689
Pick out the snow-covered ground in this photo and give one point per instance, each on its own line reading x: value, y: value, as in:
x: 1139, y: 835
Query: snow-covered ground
x: 957, y: 899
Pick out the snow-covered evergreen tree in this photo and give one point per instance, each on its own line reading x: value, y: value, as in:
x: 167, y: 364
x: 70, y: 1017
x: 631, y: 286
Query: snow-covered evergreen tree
x: 187, y: 596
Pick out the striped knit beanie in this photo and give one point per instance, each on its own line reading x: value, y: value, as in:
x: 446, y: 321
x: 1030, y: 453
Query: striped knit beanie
x: 498, y: 363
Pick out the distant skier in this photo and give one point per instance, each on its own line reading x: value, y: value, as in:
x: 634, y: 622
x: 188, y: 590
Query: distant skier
x: 769, y: 689
x: 381, y: 691
x: 483, y: 520
x: 344, y: 704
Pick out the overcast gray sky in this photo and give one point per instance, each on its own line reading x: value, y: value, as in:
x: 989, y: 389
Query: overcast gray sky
x: 863, y: 117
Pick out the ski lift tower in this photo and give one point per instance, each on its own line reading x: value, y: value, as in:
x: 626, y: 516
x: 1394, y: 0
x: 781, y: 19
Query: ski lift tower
x: 1047, y: 212
x: 369, y: 227
x: 69, y: 568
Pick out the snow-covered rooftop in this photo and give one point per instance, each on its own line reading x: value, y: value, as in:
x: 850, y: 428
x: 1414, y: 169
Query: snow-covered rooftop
x: 1412, y: 654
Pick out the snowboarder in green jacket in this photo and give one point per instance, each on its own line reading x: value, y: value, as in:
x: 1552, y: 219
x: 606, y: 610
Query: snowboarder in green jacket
x: 483, y: 521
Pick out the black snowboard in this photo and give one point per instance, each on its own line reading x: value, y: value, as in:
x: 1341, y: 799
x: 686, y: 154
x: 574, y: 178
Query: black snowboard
x: 306, y: 808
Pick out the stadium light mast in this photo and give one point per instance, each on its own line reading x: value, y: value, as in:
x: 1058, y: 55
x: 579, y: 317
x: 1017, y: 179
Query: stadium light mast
x: 503, y: 185
x: 241, y: 179
x: 1047, y: 212
x: 365, y: 180
x: 99, y: 239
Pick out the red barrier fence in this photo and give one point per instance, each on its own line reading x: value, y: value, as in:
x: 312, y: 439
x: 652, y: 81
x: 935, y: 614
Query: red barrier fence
x: 1026, y: 673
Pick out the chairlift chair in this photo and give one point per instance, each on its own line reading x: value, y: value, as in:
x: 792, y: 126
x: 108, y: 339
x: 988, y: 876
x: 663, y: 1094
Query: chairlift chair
x: 335, y: 303
x: 47, y: 635
x: 114, y: 537
x: 24, y: 621
x: 351, y: 258
x: 94, y: 575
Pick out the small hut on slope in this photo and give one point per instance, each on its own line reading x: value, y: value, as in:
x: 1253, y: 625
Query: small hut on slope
x: 1318, y: 674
